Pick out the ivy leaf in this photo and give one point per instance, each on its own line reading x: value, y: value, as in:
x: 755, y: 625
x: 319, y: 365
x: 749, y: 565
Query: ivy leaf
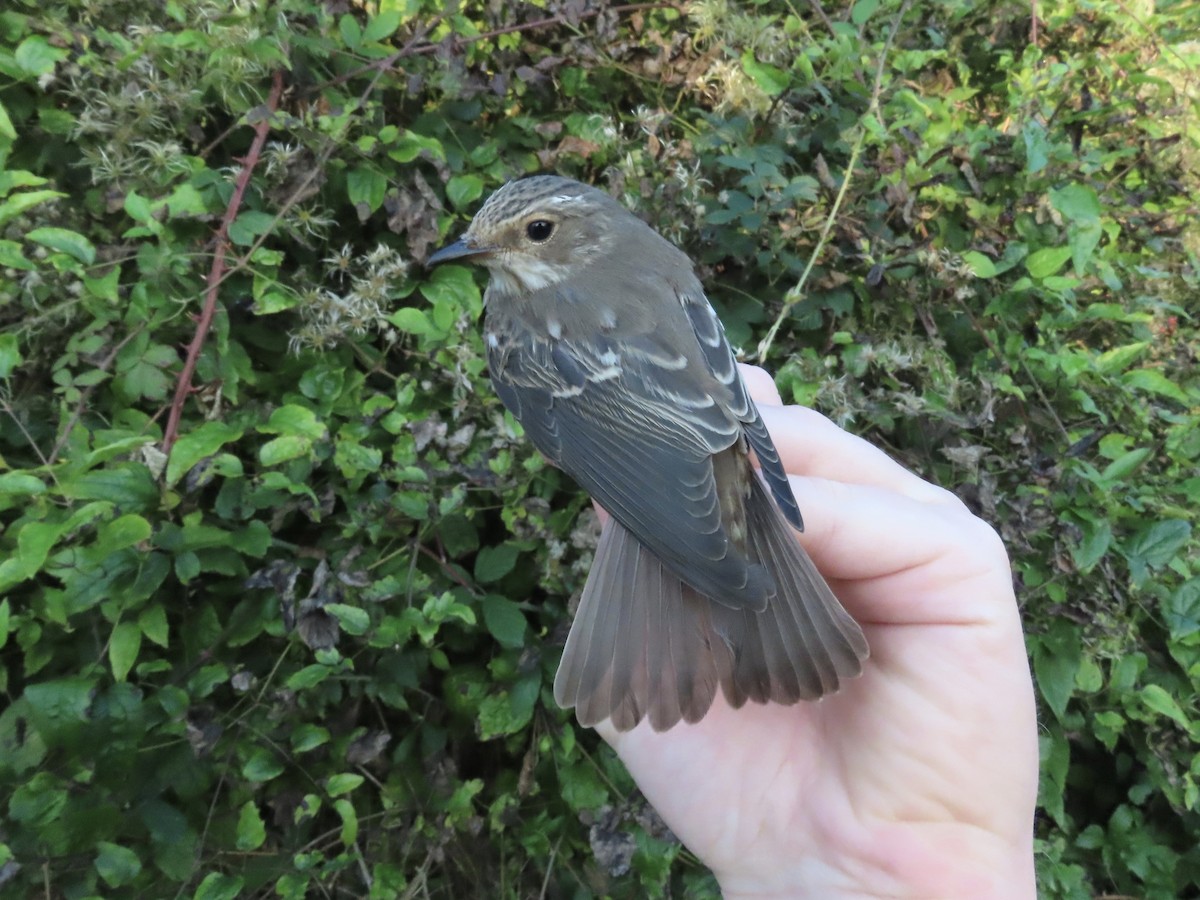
x: 463, y: 190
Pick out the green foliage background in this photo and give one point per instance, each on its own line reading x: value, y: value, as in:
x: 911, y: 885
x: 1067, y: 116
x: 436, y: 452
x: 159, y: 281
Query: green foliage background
x: 307, y: 650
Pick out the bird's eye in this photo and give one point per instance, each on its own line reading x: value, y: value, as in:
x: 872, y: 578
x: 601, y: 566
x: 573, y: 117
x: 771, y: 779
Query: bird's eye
x: 539, y: 230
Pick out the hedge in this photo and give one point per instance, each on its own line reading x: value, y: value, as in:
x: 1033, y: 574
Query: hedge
x: 282, y: 587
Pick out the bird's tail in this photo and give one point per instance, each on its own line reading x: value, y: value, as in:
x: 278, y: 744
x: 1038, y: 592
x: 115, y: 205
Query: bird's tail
x: 644, y: 643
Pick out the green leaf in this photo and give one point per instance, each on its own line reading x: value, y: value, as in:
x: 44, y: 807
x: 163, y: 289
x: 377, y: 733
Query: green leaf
x: 344, y: 783
x: 504, y: 620
x: 1157, y: 543
x: 196, y: 445
x: 382, y: 26
x: 21, y: 483
x: 1155, y: 382
x: 295, y: 419
x: 345, y: 810
x: 10, y: 354
x: 70, y: 242
x: 454, y: 286
x: 459, y: 535
x: 249, y: 225
x: 1037, y: 147
x: 282, y: 449
x: 410, y: 145
x: 352, y: 619
x: 123, y: 648
x: 863, y: 10
x: 217, y: 886
x: 508, y: 712
x: 19, y: 203
x: 37, y: 57
x: 7, y: 132
x: 1124, y: 465
x: 263, y: 765
x: 351, y: 31
x: 493, y: 563
x: 1182, y: 610
x: 1097, y: 538
x: 1118, y: 358
x: 309, y: 676
x: 153, y: 622
x: 1047, y: 261
x: 1056, y: 660
x: 981, y: 265
x: 5, y: 617
x: 308, y: 736
x: 1076, y: 202
x: 138, y: 208
x: 251, y: 832
x: 411, y: 320
x: 1158, y: 700
x: 463, y: 190
x: 770, y: 80
x: 366, y: 186
x: 122, y: 532
x: 117, y: 865
x: 33, y: 545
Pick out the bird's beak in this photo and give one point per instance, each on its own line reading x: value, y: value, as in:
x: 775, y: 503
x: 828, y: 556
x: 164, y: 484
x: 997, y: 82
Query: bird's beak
x: 464, y: 248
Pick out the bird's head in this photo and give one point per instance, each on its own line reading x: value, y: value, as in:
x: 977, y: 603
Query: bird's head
x: 538, y: 231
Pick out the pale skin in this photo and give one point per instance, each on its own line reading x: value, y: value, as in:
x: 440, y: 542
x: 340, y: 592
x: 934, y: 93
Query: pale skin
x: 919, y: 778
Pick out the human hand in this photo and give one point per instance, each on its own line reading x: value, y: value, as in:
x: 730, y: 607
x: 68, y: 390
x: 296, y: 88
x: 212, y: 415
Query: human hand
x: 919, y: 778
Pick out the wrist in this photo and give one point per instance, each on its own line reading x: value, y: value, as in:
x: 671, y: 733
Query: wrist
x: 928, y: 862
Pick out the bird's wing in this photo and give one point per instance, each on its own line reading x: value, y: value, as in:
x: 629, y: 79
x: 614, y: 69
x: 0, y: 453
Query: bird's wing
x: 638, y: 431
x: 718, y: 355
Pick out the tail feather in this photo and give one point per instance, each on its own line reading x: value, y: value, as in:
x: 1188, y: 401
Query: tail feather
x: 644, y: 643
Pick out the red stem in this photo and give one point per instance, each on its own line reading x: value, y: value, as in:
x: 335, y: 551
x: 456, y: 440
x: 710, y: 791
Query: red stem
x: 184, y: 386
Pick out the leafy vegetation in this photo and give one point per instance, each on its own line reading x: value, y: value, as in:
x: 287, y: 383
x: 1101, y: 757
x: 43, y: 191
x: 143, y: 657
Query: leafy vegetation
x: 286, y: 625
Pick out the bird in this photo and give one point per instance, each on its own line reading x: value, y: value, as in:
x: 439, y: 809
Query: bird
x: 601, y: 342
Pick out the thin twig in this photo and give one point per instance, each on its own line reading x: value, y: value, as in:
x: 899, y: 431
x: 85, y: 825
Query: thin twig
x: 7, y: 408
x: 184, y: 385
x: 822, y: 15
x: 797, y: 292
